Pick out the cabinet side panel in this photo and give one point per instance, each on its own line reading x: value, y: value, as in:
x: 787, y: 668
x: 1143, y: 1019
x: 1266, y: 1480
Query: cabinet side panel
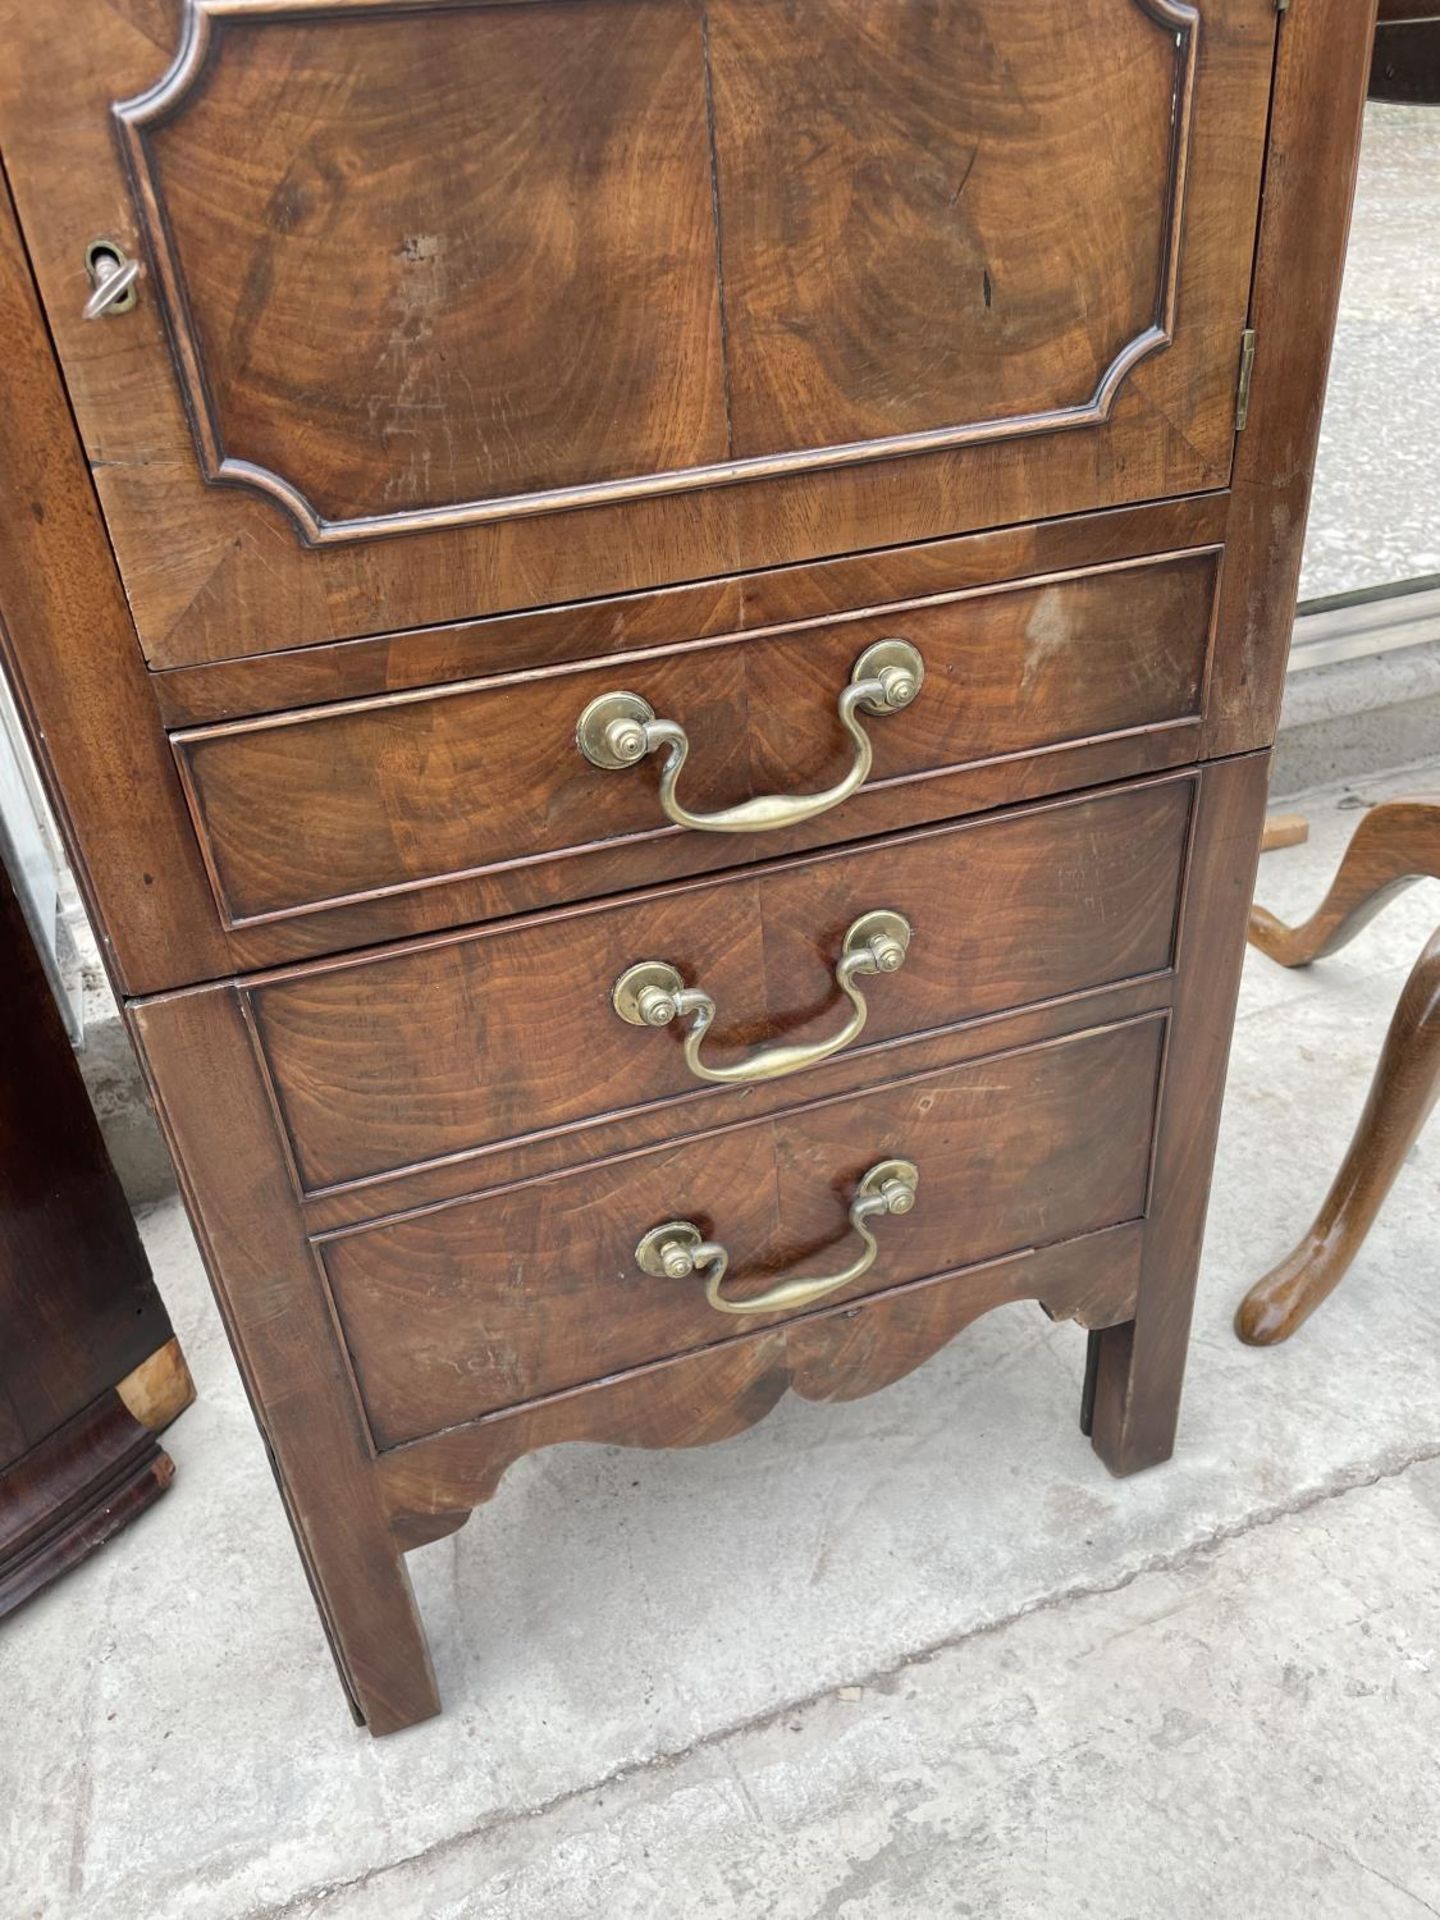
x: 1305, y: 219
x: 79, y: 680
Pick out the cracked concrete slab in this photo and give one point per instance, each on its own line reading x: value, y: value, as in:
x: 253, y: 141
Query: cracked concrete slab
x: 1254, y: 1731
x: 177, y: 1748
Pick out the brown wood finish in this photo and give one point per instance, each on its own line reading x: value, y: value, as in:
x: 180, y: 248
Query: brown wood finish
x: 901, y: 253
x: 682, y: 1116
x: 481, y: 1038
x: 1141, y: 1365
x: 476, y: 1306
x: 236, y: 578
x: 1313, y: 152
x: 836, y: 1353
x: 69, y: 650
x: 626, y: 866
x: 78, y: 1307
x: 895, y: 146
x: 1406, y: 67
x: 619, y: 624
x: 75, y: 1490
x: 338, y: 803
x: 1397, y: 843
x: 1401, y: 1100
x: 564, y: 334
x: 252, y: 1240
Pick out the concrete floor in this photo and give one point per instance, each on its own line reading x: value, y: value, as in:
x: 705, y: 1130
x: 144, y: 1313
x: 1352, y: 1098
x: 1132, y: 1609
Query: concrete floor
x: 918, y: 1656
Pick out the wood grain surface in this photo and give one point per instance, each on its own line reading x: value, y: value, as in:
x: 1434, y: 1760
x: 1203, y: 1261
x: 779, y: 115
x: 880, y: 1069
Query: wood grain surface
x: 1397, y: 843
x: 463, y: 1310
x: 891, y: 259
x: 455, y: 1044
x: 618, y: 624
x: 696, y: 1399
x: 673, y: 233
x: 1141, y: 1366
x: 1401, y: 1099
x: 339, y: 802
x: 523, y: 298
x: 220, y: 572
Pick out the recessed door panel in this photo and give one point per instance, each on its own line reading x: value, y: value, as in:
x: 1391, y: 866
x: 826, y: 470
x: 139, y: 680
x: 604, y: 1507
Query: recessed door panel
x: 449, y: 309
x: 419, y: 260
x: 944, y: 218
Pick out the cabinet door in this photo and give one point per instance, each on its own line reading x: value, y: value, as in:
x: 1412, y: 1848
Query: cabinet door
x: 453, y: 308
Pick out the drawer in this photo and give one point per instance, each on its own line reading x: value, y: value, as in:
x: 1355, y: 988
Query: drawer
x: 447, y: 1046
x: 341, y: 804
x: 487, y: 1303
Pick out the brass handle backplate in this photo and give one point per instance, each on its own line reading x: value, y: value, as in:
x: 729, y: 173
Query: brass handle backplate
x: 619, y: 729
x: 652, y: 993
x: 678, y: 1249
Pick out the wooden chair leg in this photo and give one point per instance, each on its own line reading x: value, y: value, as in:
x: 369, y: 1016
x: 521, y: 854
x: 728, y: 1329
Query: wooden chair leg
x: 1284, y: 830
x: 1402, y: 1095
x: 1395, y: 845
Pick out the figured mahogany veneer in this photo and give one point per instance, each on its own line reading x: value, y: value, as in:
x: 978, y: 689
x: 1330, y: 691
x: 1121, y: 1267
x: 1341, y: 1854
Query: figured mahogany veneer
x: 315, y: 808
x: 474, y: 1039
x: 485, y: 357
x: 462, y: 1310
x: 708, y: 281
x: 695, y: 1399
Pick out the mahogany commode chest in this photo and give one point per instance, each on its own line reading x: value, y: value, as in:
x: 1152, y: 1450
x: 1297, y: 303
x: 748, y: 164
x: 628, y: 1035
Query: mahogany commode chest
x: 657, y: 626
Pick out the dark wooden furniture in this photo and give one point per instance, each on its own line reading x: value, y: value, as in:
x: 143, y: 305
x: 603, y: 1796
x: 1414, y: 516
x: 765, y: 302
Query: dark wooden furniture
x: 1406, y: 63
x: 1395, y: 845
x: 604, y: 546
x: 89, y: 1367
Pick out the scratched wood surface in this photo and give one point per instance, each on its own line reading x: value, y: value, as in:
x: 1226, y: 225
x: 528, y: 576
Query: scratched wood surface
x: 475, y: 1073
x: 461, y: 1311
x: 891, y: 260
x: 465, y: 1041
x: 526, y: 297
x: 712, y: 1393
x: 538, y: 284
x: 338, y: 802
x: 618, y: 624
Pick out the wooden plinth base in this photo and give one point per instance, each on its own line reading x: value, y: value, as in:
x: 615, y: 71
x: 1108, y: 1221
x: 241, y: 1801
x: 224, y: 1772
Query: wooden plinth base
x: 70, y: 1494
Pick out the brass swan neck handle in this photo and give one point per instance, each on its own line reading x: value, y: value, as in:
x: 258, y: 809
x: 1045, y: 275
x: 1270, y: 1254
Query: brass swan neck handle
x: 652, y: 993
x: 678, y: 1249
x: 619, y: 730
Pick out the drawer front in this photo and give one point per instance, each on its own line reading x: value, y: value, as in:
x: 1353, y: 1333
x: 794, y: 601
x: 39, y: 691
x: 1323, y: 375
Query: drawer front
x: 487, y: 1303
x: 452, y: 1045
x: 340, y: 803
x: 641, y: 292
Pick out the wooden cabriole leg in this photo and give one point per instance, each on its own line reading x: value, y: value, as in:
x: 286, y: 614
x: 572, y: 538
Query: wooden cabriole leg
x: 1394, y: 846
x: 1132, y: 1399
x: 1402, y: 1096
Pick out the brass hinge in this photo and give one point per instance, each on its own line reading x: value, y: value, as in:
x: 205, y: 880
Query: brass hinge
x: 1247, y: 371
